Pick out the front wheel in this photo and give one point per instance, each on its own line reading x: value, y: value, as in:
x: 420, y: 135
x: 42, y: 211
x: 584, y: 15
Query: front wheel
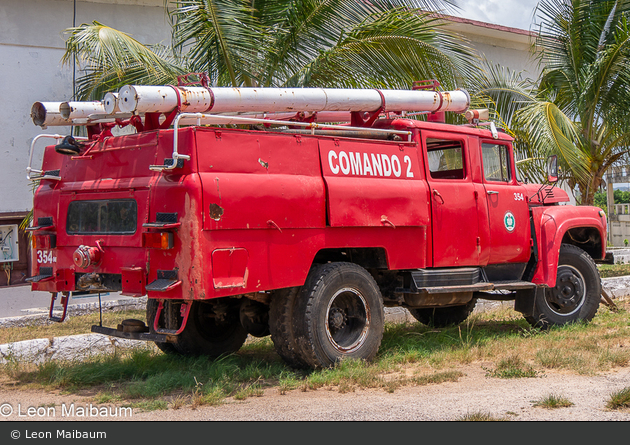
x: 576, y: 295
x: 339, y: 315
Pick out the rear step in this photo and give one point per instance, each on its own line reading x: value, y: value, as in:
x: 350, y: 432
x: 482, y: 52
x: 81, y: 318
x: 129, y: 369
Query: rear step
x: 64, y: 304
x: 45, y: 273
x: 136, y: 330
x: 184, y: 312
x: 166, y: 280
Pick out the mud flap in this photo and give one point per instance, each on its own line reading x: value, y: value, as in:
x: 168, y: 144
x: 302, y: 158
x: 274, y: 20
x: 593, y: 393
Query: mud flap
x: 525, y: 300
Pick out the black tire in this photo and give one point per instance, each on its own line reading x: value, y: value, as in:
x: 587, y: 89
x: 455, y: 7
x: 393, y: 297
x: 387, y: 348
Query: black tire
x: 576, y: 295
x: 205, y: 333
x: 152, y: 306
x: 281, y: 324
x: 441, y: 317
x: 339, y: 315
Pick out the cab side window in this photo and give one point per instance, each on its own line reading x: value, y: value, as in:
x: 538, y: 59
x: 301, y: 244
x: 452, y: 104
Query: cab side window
x: 496, y: 163
x: 446, y: 159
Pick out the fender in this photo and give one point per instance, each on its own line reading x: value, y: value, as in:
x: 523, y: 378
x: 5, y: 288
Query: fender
x: 551, y: 224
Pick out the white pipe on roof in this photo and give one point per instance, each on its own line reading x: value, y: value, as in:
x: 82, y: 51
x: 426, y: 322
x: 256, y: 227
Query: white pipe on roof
x: 164, y: 99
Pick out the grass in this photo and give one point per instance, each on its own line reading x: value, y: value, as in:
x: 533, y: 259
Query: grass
x: 512, y: 367
x: 613, y: 270
x: 619, y: 399
x: 480, y: 416
x: 553, y: 401
x: 411, y: 354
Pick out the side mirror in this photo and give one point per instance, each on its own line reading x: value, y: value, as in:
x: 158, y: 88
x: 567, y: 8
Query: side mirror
x: 552, y: 169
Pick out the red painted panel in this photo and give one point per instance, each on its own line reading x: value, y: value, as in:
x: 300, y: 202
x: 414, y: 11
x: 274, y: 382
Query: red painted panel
x: 508, y: 214
x: 245, y: 201
x: 454, y: 221
x: 229, y: 268
x: 256, y: 181
x: 133, y: 281
x: 283, y: 259
x: 551, y: 223
x: 372, y: 184
x: 254, y: 152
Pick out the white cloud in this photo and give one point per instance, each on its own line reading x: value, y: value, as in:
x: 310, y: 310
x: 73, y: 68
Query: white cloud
x: 512, y: 13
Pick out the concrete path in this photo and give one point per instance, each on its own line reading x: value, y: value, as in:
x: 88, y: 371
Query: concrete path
x: 20, y: 300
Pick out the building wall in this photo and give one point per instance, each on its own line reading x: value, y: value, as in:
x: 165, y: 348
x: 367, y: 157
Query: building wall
x: 499, y: 44
x: 31, y: 46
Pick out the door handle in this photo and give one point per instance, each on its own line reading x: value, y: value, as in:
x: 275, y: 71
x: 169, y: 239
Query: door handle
x: 437, y: 195
x: 492, y: 192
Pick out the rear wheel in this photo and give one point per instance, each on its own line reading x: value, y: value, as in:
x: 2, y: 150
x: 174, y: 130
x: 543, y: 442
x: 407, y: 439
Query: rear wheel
x: 441, y: 317
x: 339, y: 314
x: 213, y: 328
x: 282, y: 326
x: 576, y: 295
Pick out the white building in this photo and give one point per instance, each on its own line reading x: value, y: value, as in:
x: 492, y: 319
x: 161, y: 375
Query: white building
x: 32, y: 44
x: 500, y: 44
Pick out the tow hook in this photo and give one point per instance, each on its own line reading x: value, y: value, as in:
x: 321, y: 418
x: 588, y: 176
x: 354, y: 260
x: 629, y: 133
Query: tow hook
x: 86, y: 256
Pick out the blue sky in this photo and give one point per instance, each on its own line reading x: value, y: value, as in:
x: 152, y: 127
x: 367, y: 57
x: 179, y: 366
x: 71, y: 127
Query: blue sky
x: 513, y: 13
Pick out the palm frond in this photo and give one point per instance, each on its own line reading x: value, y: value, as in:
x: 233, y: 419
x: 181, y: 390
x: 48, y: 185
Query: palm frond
x: 221, y: 37
x: 110, y: 58
x: 389, y: 49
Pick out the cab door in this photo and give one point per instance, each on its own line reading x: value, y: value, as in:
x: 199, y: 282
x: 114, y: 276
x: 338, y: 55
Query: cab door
x: 508, y: 211
x: 454, y: 222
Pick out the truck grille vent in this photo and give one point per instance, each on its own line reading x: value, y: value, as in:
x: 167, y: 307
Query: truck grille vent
x: 45, y: 221
x: 166, y: 217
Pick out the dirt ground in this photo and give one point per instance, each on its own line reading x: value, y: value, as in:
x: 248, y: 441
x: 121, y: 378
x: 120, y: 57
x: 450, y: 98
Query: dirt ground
x: 510, y: 399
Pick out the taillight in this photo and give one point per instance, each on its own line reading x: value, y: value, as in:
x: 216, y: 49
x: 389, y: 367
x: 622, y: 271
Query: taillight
x: 158, y: 240
x: 44, y: 241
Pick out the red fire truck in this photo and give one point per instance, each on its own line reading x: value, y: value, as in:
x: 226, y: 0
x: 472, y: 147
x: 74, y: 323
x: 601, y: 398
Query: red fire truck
x: 300, y: 214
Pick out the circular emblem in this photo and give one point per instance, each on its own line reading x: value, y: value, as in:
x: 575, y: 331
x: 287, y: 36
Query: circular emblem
x: 509, y: 221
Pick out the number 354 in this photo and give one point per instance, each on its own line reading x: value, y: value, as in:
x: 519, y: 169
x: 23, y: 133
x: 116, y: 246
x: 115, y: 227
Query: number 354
x: 44, y: 256
x: 519, y: 197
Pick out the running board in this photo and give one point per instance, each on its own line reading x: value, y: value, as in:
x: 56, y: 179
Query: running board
x: 431, y: 278
x: 457, y: 295
x: 477, y: 287
x: 513, y: 285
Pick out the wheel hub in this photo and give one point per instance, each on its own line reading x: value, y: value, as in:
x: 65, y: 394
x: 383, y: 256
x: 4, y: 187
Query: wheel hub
x: 336, y: 319
x: 347, y: 320
x: 569, y: 293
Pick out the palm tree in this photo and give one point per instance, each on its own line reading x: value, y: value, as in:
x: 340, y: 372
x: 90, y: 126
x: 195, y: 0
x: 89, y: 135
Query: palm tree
x: 305, y: 43
x: 580, y: 106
